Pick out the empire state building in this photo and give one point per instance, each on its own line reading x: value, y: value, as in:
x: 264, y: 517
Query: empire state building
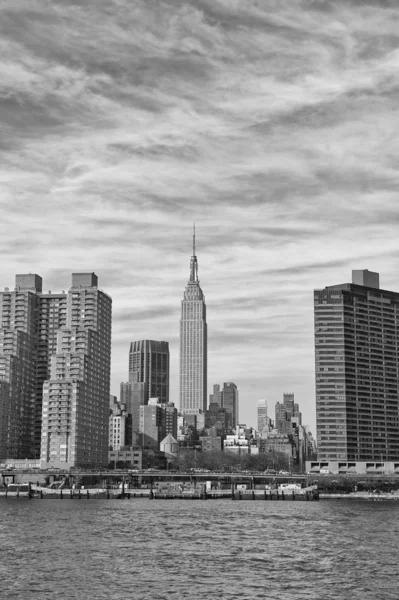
x: 193, y: 344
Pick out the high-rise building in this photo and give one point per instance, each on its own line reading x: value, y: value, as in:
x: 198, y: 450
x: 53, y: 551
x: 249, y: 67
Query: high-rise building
x: 52, y: 316
x: 169, y: 419
x: 217, y: 417
x: 76, y: 398
x: 357, y: 370
x: 193, y: 344
x: 230, y: 401
x: 149, y: 364
x: 148, y: 377
x: 120, y: 428
x: 217, y: 396
x: 151, y: 425
x: 30, y: 324
x: 133, y: 395
x: 262, y: 418
x: 19, y: 311
x: 287, y: 413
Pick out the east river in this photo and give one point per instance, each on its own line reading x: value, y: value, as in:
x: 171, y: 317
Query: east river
x: 214, y: 549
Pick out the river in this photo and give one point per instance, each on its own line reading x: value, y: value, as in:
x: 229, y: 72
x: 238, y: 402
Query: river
x: 215, y: 549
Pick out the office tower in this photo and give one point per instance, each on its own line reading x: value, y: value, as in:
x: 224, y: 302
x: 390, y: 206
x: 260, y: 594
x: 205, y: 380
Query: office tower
x: 230, y: 401
x: 262, y: 418
x: 149, y: 364
x: 75, y: 420
x: 193, y: 344
x: 357, y: 370
x: 217, y: 396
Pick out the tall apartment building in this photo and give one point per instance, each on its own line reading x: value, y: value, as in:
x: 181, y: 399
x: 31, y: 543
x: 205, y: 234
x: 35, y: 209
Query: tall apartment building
x: 357, y: 370
x: 52, y: 316
x: 29, y: 322
x: 193, y: 344
x: 230, y: 401
x: 76, y: 398
x: 18, y: 364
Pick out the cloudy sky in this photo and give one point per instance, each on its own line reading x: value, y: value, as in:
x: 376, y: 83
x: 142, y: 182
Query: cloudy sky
x: 273, y: 124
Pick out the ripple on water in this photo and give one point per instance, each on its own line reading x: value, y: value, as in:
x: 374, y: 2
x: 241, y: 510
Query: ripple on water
x: 178, y: 549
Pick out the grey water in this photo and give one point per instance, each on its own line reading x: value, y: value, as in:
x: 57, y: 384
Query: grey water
x: 176, y: 549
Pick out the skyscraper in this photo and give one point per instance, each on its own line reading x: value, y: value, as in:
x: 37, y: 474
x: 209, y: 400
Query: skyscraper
x: 230, y: 401
x: 262, y: 418
x: 75, y: 419
x: 19, y: 310
x: 30, y: 325
x: 217, y: 396
x: 357, y: 370
x: 133, y: 395
x: 149, y: 364
x: 148, y: 377
x: 193, y: 344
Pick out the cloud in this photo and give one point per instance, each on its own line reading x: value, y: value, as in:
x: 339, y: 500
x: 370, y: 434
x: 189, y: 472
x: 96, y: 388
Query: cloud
x: 270, y: 124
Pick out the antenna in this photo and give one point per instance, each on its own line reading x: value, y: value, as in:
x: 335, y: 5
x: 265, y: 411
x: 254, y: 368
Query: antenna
x: 194, y: 239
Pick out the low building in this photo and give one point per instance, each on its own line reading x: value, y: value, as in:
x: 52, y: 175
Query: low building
x: 169, y: 445
x: 137, y: 458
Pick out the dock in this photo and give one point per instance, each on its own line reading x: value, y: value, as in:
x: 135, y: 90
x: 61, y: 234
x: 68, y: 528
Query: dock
x: 34, y: 492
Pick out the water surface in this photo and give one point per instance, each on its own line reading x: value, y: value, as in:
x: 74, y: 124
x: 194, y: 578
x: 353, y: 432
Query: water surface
x: 213, y: 549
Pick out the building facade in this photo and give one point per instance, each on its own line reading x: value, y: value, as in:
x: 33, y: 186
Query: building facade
x: 357, y: 371
x: 76, y: 398
x: 193, y: 345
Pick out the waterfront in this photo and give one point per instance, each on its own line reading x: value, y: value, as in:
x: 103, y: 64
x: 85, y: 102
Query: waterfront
x: 159, y: 550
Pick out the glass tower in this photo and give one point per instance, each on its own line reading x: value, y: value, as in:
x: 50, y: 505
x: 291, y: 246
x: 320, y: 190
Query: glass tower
x: 193, y: 344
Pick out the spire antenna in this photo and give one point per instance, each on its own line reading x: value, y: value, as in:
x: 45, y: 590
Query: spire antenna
x: 193, y: 262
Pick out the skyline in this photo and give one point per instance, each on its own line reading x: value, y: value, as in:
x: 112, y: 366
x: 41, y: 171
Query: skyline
x: 272, y: 126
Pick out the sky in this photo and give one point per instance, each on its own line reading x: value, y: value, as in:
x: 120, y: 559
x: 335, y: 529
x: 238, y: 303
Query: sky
x: 271, y: 124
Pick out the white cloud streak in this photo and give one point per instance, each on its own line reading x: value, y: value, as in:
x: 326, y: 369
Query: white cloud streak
x: 271, y: 124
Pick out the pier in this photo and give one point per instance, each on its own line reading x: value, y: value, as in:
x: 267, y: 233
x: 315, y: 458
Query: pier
x: 34, y: 492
